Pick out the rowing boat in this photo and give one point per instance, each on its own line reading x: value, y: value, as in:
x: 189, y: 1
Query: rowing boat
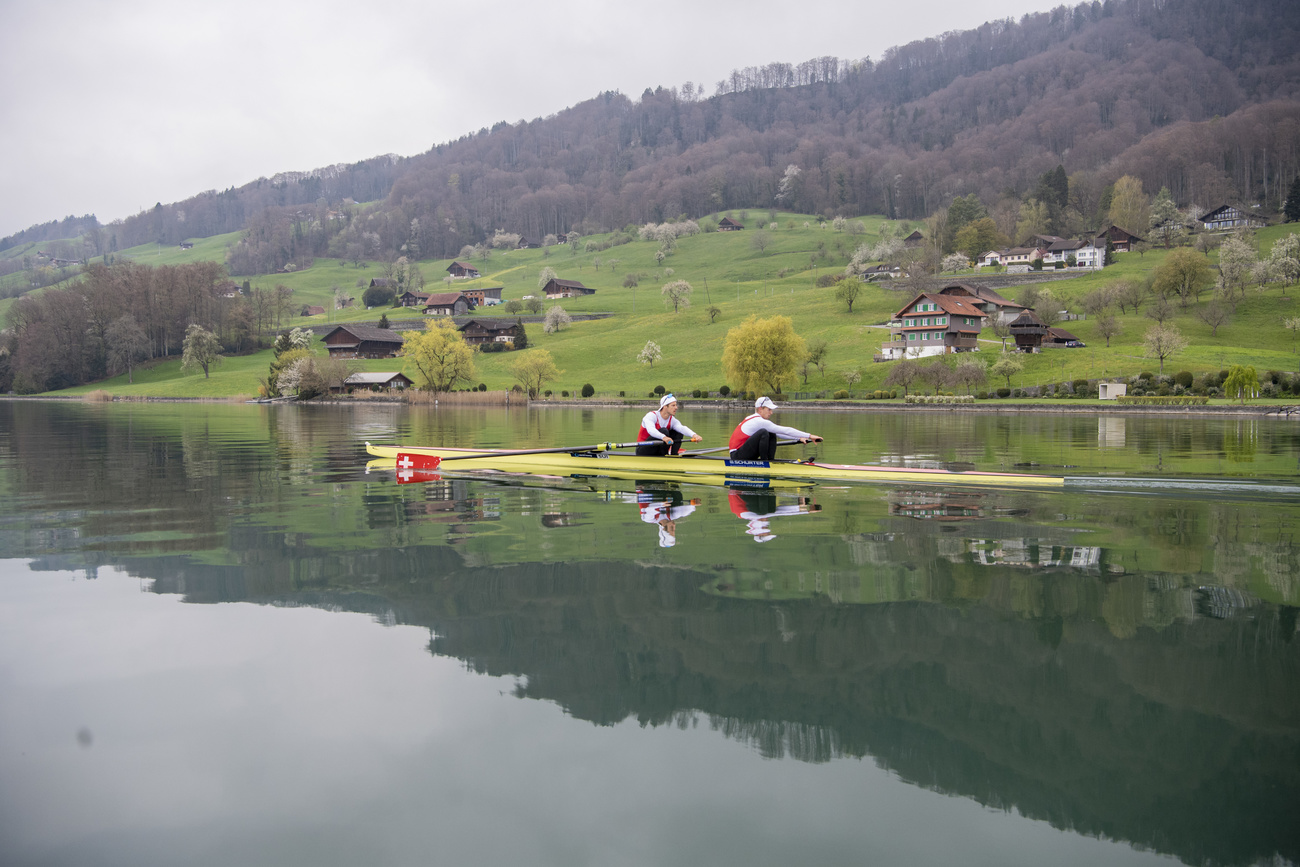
x: 598, y: 461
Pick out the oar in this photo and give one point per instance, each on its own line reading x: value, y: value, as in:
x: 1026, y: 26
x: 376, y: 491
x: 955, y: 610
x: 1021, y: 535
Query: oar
x: 413, y: 461
x: 695, y: 452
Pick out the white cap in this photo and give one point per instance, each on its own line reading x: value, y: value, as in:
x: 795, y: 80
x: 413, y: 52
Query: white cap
x: 764, y: 402
x: 667, y: 399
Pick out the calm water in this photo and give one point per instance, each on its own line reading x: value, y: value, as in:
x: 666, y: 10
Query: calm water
x: 223, y: 641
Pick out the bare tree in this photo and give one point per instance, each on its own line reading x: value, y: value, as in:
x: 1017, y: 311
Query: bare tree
x: 1161, y: 341
x: 1108, y: 326
x: 1214, y: 315
x: 678, y: 293
x: 905, y: 373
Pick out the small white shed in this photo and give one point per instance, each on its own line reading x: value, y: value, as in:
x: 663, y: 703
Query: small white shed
x: 1111, y: 390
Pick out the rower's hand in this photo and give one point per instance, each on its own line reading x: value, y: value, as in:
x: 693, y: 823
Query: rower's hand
x: 697, y: 439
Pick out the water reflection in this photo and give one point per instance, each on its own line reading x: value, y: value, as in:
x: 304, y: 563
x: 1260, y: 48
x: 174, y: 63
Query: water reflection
x: 1115, y: 665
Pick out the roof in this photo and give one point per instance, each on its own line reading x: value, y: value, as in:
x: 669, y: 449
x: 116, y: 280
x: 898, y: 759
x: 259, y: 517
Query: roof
x: 951, y: 304
x: 374, y: 378
x: 368, y: 332
x: 1061, y: 334
x: 1112, y: 230
x: 491, y: 325
x: 983, y: 293
x: 727, y: 221
x: 462, y: 265
x: 1027, y: 319
x: 444, y: 299
x: 567, y: 284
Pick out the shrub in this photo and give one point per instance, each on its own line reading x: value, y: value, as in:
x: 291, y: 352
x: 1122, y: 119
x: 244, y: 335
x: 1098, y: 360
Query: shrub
x: 841, y: 394
x: 547, y: 393
x: 659, y: 390
x: 695, y: 393
x: 482, y: 386
x: 1080, y: 385
x: 622, y: 394
x: 1184, y: 378
x: 1017, y: 392
x: 1146, y: 375
x: 588, y: 390
x: 827, y: 280
x: 564, y: 394
x: 1004, y: 392
x: 981, y: 395
x: 724, y: 390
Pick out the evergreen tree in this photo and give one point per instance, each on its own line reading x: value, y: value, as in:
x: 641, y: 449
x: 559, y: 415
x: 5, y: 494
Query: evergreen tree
x: 1292, y: 207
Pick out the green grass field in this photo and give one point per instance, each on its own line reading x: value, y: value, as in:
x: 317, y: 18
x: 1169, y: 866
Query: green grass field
x: 727, y: 271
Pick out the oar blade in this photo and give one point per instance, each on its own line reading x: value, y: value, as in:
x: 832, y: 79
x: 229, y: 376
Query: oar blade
x: 413, y: 461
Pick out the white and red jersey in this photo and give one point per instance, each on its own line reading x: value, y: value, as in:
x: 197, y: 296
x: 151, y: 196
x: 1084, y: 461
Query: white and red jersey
x: 755, y: 423
x: 655, y: 427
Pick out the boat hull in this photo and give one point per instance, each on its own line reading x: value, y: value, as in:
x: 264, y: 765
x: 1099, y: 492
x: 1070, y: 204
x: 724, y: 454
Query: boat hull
x: 686, y: 467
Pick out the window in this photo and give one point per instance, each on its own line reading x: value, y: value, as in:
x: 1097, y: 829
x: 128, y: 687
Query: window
x: 942, y: 320
x: 908, y: 323
x: 911, y: 336
x: 925, y: 321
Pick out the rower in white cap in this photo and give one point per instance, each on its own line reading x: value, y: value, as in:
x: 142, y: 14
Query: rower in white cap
x: 754, y: 439
x: 661, y: 433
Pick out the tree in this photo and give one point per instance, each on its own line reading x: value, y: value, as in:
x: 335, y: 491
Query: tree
x: 1131, y: 293
x: 534, y: 369
x: 1128, y: 205
x: 903, y: 374
x: 514, y: 305
x: 936, y: 375
x: 546, y: 275
x: 533, y: 304
x: 1108, y: 326
x: 200, y: 350
x: 1214, y: 315
x: 1006, y: 366
x: 1291, y: 208
x: 377, y: 296
x: 1183, y: 273
x: 438, y: 356
x: 1160, y: 310
x: 1166, y: 221
x: 556, y: 319
x: 1242, y: 383
x: 650, y: 354
x: 678, y: 293
x: 1162, y: 341
x: 970, y: 373
x: 760, y: 240
x: 713, y: 312
x: 848, y: 291
x: 954, y: 262
x: 1284, y: 258
x: 978, y: 237
x: 762, y: 353
x: 1236, y: 258
x: 127, y: 343
x: 817, y: 353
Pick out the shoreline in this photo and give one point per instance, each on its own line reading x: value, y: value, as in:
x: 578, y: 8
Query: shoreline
x: 1289, y: 412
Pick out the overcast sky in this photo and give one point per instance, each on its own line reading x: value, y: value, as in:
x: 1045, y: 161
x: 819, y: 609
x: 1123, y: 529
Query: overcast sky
x: 111, y: 107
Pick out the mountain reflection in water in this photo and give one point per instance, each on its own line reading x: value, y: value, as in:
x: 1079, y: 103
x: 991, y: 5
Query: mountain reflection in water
x: 1090, y: 662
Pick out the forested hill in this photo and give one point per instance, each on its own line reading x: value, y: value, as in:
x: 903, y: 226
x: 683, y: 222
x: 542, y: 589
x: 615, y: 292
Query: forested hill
x: 1201, y: 96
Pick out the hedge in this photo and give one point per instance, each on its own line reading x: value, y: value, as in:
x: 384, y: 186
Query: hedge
x: 1176, y: 400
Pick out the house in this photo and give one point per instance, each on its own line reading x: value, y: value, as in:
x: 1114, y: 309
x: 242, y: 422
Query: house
x: 1120, y: 240
x: 1020, y: 259
x: 447, y: 304
x: 880, y: 272
x: 726, y: 224
x: 312, y: 310
x: 462, y: 270
x: 413, y: 299
x: 376, y: 381
x: 1060, y: 337
x: 1227, y: 217
x: 485, y: 297
x: 915, y: 239
x: 362, y: 341
x: 989, y: 302
x: 479, y: 331
x: 187, y: 245
x: 527, y: 243
x: 382, y: 283
x: 1086, y: 254
x: 556, y: 288
x: 1028, y: 331
x: 934, y: 324
x: 989, y: 259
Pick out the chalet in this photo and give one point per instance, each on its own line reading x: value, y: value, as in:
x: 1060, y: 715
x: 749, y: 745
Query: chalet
x: 313, y: 310
x: 479, y: 331
x: 485, y: 297
x: 228, y: 289
x: 993, y: 305
x: 383, y: 283
x: 557, y: 288
x: 1059, y: 337
x: 377, y: 381
x: 1120, y: 240
x: 362, y: 341
x: 915, y: 239
x: 1086, y: 253
x: 880, y: 272
x: 447, y: 304
x: 1227, y: 217
x: 934, y: 324
x: 187, y: 245
x: 413, y: 299
x: 1028, y: 331
x: 527, y: 243
x: 726, y: 224
x: 462, y: 270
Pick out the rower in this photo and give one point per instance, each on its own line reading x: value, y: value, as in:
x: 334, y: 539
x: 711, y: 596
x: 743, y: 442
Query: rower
x: 754, y: 439
x: 661, y: 433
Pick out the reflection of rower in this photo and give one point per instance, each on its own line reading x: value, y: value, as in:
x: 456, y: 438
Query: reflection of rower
x: 756, y: 508
x: 663, y: 508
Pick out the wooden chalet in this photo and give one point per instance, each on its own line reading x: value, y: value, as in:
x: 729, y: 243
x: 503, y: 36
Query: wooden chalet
x: 462, y: 270
x: 934, y: 324
x: 1059, y: 337
x: 362, y: 341
x: 187, y: 245
x: 447, y: 304
x: 479, y: 331
x: 377, y: 381
x: 1121, y: 241
x: 1226, y: 217
x: 486, y: 296
x: 993, y: 305
x: 413, y: 299
x: 526, y: 243
x: 726, y: 224
x: 1028, y: 331
x: 557, y: 288
x: 879, y: 272
x: 915, y: 239
x: 313, y: 310
x: 382, y: 283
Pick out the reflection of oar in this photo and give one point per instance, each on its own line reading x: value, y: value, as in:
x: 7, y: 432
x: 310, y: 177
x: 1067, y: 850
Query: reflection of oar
x: 416, y: 461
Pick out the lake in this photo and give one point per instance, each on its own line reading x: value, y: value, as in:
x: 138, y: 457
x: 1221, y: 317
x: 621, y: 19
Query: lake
x: 223, y: 640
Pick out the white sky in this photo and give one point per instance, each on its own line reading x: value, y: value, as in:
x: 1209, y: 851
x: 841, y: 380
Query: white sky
x: 111, y: 107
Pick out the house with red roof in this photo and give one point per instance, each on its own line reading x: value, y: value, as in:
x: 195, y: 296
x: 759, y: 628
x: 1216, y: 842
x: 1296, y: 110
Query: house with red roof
x: 934, y: 324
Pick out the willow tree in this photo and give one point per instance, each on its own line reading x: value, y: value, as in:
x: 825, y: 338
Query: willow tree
x: 763, y: 353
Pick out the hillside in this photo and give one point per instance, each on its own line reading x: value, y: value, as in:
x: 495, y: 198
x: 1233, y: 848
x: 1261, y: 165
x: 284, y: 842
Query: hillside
x: 1196, y: 95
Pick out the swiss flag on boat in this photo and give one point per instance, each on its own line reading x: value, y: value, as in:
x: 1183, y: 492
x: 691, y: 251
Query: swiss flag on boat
x: 409, y: 461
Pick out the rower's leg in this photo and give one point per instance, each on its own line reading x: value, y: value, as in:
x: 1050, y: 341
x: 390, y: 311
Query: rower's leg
x: 767, y: 444
x: 760, y: 446
x: 651, y: 448
x: 677, y: 442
